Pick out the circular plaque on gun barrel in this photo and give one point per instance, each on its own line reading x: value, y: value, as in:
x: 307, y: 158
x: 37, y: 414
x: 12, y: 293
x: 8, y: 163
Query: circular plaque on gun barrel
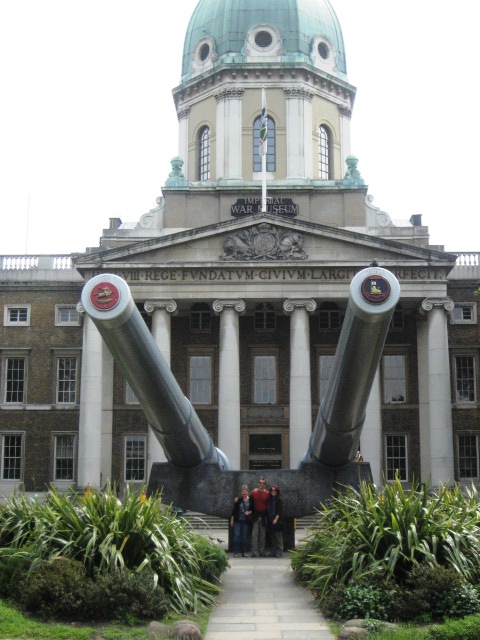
x: 104, y: 296
x: 375, y: 289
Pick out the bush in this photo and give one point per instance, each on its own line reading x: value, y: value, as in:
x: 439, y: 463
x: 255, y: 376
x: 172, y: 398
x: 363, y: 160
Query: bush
x: 363, y: 599
x: 466, y: 629
x: 60, y: 589
x: 12, y: 567
x: 53, y: 589
x: 213, y: 560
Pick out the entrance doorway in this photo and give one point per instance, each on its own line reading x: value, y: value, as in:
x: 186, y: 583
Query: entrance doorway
x: 265, y: 451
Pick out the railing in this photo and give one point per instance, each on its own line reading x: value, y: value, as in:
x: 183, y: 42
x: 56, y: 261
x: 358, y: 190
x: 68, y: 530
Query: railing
x: 25, y: 263
x: 471, y: 259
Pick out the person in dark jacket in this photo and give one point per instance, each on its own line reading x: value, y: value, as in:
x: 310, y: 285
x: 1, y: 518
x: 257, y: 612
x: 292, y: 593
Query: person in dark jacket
x: 240, y: 521
x: 275, y: 521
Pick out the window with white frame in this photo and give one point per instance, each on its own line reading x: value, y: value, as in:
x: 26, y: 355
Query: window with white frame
x: 200, y: 379
x: 467, y: 456
x: 15, y: 315
x: 396, y: 457
x: 324, y: 153
x: 465, y: 387
x: 130, y: 397
x: 203, y: 171
x: 66, y: 315
x: 11, y: 461
x: 64, y: 457
x: 394, y: 383
x: 265, y: 379
x: 67, y: 376
x: 14, y: 379
x: 325, y: 365
x: 270, y: 159
x: 464, y: 313
x: 135, y: 458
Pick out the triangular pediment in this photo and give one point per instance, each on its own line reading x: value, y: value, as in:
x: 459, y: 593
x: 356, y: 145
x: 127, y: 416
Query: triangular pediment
x: 262, y: 238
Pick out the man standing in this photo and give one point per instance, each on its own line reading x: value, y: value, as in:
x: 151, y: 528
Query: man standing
x: 259, y: 498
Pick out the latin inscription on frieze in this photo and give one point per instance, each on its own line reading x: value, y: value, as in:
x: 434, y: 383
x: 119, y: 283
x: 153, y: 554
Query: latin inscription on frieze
x: 301, y: 274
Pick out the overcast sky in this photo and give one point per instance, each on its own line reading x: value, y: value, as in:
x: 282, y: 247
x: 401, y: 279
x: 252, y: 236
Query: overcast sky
x: 88, y: 123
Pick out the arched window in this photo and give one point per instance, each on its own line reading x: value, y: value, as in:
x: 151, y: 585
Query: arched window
x: 257, y: 160
x: 203, y: 154
x: 264, y: 317
x: 324, y: 153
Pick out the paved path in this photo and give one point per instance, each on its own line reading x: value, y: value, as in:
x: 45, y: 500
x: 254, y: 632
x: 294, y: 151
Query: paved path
x: 261, y: 601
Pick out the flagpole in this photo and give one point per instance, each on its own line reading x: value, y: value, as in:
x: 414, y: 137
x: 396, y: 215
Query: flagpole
x: 264, y: 184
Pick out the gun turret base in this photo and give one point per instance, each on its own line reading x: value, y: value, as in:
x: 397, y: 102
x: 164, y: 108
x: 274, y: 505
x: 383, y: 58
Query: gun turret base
x: 210, y: 490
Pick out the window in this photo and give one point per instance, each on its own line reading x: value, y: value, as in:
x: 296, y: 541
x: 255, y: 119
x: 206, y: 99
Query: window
x: 64, y: 456
x: 11, y: 462
x: 324, y: 160
x: 130, y: 397
x: 200, y: 379
x: 204, y: 154
x: 265, y: 380
x: 396, y: 457
x: 398, y: 318
x: 329, y: 316
x: 467, y: 456
x: 66, y: 315
x: 465, y: 379
x: 464, y: 313
x: 200, y: 317
x: 135, y: 458
x: 257, y: 160
x: 15, y: 380
x: 264, y: 317
x: 67, y: 370
x: 325, y: 365
x: 16, y: 315
x: 393, y: 379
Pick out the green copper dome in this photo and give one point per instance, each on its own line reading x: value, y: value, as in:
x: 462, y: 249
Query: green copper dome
x: 220, y: 31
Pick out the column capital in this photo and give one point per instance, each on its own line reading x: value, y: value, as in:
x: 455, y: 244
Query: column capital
x: 428, y: 304
x: 302, y: 92
x: 161, y: 304
x: 80, y: 308
x: 292, y: 304
x: 231, y: 93
x: 183, y: 113
x: 220, y: 305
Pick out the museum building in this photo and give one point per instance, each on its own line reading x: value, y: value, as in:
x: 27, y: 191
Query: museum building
x: 246, y: 301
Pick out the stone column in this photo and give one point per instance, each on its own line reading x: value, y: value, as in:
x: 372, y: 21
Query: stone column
x: 229, y: 379
x: 90, y: 423
x: 345, y: 144
x: 228, y: 157
x: 436, y: 437
x: 299, y: 132
x: 300, y: 381
x: 183, y: 117
x: 161, y: 312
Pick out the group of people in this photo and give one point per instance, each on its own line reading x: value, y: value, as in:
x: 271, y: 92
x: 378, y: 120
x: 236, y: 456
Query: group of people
x: 259, y: 511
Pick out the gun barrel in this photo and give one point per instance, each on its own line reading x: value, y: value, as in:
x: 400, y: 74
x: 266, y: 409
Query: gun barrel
x: 108, y: 302
x: 374, y: 293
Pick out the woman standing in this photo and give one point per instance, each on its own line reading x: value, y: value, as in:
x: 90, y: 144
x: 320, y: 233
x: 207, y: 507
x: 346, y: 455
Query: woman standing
x: 240, y: 521
x: 275, y: 521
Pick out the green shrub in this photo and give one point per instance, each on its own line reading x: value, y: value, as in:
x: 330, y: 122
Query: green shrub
x: 465, y: 629
x: 12, y: 567
x: 366, y: 598
x: 213, y: 560
x: 53, y: 588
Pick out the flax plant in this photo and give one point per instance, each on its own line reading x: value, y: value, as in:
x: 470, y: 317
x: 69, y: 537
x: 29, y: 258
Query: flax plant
x: 107, y: 534
x: 386, y: 532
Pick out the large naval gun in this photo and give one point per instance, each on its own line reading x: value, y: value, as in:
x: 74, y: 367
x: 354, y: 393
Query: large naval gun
x: 197, y: 475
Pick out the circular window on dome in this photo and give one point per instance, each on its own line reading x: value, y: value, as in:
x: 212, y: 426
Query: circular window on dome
x: 323, y: 50
x: 204, y: 51
x: 263, y: 39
